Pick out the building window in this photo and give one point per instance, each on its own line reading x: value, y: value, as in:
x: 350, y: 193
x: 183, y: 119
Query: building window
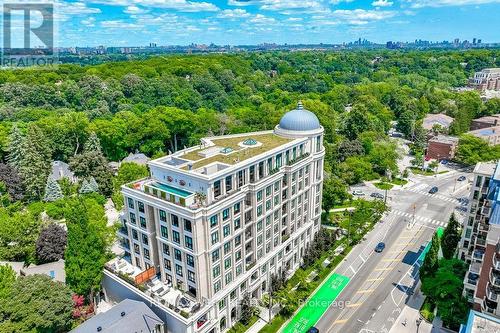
x: 237, y: 223
x: 268, y: 205
x: 178, y: 255
x: 189, y: 242
x: 215, y: 237
x: 237, y: 255
x: 215, y: 255
x: 136, y: 249
x: 143, y: 222
x: 259, y: 225
x: 190, y: 260
x: 225, y: 214
x: 175, y: 220
x: 130, y: 203
x: 278, y: 160
x: 227, y: 247
x: 164, y: 232
x: 259, y: 210
x: 232, y: 295
x: 318, y: 143
x: 176, y: 237
x: 178, y: 270
x: 227, y: 263
x: 166, y: 249
x: 229, y: 277
x: 217, y: 286
x: 163, y: 216
x: 237, y: 208
x: 217, y: 188
x: 222, y: 304
x: 216, y: 271
x: 144, y: 239
x: 132, y: 218
x: 134, y: 234
x: 259, y: 196
x: 146, y: 254
x: 188, y: 226
x: 237, y: 240
x: 191, y: 276
x: 239, y: 270
x: 167, y: 264
x: 141, y: 206
x: 226, y: 230
x: 213, y: 221
x: 229, y: 183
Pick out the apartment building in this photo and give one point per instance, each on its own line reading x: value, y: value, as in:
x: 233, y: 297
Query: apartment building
x: 487, y: 79
x: 214, y: 221
x: 485, y: 122
x: 480, y: 246
x: 491, y: 135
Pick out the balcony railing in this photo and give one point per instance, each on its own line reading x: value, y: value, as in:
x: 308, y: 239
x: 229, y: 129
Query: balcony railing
x: 491, y: 294
x: 123, y: 230
x: 496, y: 262
x: 486, y: 308
x: 494, y: 279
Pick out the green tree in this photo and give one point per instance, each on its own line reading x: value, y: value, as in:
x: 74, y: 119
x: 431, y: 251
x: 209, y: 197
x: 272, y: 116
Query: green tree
x: 14, y: 148
x: 247, y: 310
x: 334, y: 192
x: 18, y: 234
x: 451, y: 237
x: 52, y: 190
x: 92, y: 163
x: 7, y: 279
x: 35, y: 164
x: 87, y: 246
x: 36, y: 303
x: 431, y: 260
x: 472, y: 150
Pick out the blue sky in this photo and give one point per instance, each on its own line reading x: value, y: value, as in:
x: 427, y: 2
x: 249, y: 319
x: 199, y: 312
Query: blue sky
x: 167, y: 22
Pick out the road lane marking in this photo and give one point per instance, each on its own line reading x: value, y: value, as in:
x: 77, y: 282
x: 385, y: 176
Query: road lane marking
x: 383, y: 269
x: 365, y: 291
x: 373, y: 280
x: 354, y: 305
x: 340, y: 321
x: 391, y: 260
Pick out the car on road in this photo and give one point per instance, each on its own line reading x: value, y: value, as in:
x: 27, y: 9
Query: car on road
x: 312, y: 330
x: 433, y: 190
x: 380, y: 247
x: 461, y: 178
x: 358, y: 192
x: 377, y: 195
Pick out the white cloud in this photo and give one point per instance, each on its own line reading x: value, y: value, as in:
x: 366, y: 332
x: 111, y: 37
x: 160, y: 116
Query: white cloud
x: 179, y: 5
x: 444, y: 3
x: 233, y: 14
x: 119, y: 24
x: 289, y: 4
x: 89, y: 22
x: 382, y: 3
x: 262, y: 19
x: 134, y: 10
x: 242, y: 2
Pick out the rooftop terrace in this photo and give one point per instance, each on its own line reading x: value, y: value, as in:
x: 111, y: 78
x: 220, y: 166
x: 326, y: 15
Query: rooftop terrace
x: 228, y: 150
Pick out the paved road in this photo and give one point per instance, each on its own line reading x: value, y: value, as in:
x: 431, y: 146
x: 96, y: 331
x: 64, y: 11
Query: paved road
x: 381, y: 282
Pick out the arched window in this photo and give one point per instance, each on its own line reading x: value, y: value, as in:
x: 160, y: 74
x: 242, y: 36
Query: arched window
x: 223, y: 324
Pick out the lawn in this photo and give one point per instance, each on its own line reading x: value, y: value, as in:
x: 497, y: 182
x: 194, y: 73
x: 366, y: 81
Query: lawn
x: 419, y: 171
x: 383, y: 186
x: 399, y: 181
x: 427, y: 310
x: 240, y: 328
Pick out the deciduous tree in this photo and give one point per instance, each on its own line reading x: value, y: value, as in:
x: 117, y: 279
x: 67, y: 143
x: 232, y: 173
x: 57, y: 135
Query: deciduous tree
x: 51, y: 244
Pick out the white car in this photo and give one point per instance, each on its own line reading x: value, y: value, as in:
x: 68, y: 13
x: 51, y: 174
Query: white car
x: 358, y: 192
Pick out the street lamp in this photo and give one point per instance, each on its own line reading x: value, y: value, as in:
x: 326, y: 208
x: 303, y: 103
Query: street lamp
x: 418, y: 322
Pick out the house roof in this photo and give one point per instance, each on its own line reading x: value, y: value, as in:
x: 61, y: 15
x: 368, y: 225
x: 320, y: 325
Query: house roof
x: 138, y: 158
x: 61, y: 170
x: 127, y: 316
x: 53, y: 269
x: 480, y: 323
x: 486, y: 132
x: 445, y: 139
x: 440, y: 119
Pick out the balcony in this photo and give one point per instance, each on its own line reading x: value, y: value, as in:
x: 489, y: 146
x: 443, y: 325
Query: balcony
x: 123, y: 230
x: 487, y: 306
x: 495, y: 279
x: 165, y: 192
x: 480, y: 241
x: 491, y: 294
x: 496, y: 262
x: 478, y: 254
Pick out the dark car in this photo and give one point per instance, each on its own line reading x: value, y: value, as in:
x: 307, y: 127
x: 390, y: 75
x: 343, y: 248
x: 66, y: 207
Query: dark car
x: 461, y: 178
x: 380, y: 247
x: 377, y: 195
x: 433, y: 190
x: 312, y: 330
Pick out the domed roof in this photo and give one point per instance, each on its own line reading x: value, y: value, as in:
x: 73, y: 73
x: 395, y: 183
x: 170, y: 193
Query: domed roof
x: 299, y: 119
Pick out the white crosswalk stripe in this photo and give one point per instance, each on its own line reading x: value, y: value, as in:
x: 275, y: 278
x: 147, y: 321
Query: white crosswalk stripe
x: 422, y: 219
x: 435, y: 196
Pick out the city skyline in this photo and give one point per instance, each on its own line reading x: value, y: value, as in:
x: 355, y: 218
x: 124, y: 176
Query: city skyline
x: 252, y: 22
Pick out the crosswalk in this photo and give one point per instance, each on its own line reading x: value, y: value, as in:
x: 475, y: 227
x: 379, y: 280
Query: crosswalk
x: 421, y: 189
x: 419, y: 218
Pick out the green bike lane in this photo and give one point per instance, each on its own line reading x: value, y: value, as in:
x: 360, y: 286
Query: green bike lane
x: 325, y: 296
x: 310, y: 313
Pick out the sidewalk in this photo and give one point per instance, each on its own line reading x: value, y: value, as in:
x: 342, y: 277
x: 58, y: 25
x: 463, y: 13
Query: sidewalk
x: 407, y: 320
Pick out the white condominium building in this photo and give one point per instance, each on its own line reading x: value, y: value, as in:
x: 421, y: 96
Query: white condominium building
x: 214, y: 221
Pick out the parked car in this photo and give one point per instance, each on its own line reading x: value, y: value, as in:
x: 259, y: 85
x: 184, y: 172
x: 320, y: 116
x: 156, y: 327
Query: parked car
x: 380, y: 247
x: 433, y: 190
x: 312, y: 330
x: 444, y: 162
x: 461, y: 178
x: 377, y: 195
x: 358, y: 192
